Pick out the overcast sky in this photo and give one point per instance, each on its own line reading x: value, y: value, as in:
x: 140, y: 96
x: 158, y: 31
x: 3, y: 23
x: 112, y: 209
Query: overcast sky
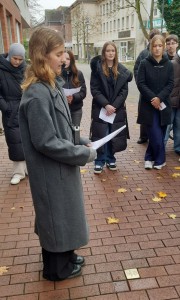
x: 53, y: 4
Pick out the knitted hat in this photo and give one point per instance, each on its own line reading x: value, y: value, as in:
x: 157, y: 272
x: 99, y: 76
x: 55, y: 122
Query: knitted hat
x: 16, y: 49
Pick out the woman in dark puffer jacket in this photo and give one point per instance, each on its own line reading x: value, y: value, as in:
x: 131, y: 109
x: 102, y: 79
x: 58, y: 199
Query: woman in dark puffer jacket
x: 12, y: 68
x: 74, y: 79
x: 109, y: 88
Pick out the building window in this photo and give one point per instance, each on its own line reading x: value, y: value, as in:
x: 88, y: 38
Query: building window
x: 114, y: 24
x: 9, y: 28
x: 110, y: 25
x: 104, y: 8
x: 18, y: 32
x: 1, y: 40
x: 155, y: 12
x: 123, y: 23
x: 132, y: 20
x: 127, y: 22
x: 107, y: 27
x: 107, y: 8
x: 118, y: 23
x: 104, y: 27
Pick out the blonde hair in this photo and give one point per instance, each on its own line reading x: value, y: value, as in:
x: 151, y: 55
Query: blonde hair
x: 115, y: 62
x: 43, y: 40
x: 154, y: 39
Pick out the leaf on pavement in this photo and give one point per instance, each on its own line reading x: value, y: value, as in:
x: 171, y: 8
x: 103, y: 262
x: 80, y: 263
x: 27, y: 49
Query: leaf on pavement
x: 111, y: 220
x: 138, y: 189
x: 176, y: 175
x: 156, y: 199
x: 136, y: 161
x: 83, y: 171
x: 122, y: 190
x: 13, y: 208
x: 162, y: 194
x: 172, y: 216
x: 177, y: 168
x: 3, y: 270
x: 104, y: 179
x: 158, y: 177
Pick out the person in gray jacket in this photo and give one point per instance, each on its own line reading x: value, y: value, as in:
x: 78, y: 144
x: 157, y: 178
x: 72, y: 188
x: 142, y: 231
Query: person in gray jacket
x: 53, y: 159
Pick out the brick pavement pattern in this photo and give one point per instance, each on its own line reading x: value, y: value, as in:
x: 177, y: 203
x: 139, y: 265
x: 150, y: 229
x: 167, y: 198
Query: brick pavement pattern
x: 147, y: 237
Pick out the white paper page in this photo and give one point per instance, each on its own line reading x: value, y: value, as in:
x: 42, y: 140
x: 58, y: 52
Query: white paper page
x: 70, y: 92
x: 162, y: 106
x: 97, y: 144
x: 104, y: 117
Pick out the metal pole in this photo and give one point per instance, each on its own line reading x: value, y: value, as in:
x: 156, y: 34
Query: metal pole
x: 162, y: 16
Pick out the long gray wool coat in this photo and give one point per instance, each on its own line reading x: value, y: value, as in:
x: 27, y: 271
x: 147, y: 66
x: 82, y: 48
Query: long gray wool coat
x: 53, y: 165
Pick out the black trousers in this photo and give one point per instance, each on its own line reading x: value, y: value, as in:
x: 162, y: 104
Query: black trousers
x: 143, y: 132
x: 57, y: 266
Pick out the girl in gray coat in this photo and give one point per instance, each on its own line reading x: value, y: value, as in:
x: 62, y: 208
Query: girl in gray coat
x: 53, y: 159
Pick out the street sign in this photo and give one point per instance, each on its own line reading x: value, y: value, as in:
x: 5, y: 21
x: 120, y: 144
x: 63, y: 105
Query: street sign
x: 169, y: 2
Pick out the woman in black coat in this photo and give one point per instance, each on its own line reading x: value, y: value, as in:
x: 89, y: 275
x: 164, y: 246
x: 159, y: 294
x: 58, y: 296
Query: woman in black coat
x: 155, y: 83
x: 74, y: 79
x: 12, y: 68
x: 109, y: 88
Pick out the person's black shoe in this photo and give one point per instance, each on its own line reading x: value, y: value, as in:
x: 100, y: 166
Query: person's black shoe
x: 75, y: 272
x: 78, y: 260
x: 141, y: 141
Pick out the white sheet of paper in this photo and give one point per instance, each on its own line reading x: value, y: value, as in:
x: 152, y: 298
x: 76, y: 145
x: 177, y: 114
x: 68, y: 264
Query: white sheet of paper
x: 162, y: 106
x: 101, y: 142
x: 70, y: 92
x: 104, y: 117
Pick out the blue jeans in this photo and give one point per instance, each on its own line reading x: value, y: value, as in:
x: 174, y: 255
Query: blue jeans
x: 156, y: 148
x: 105, y: 156
x: 175, y: 120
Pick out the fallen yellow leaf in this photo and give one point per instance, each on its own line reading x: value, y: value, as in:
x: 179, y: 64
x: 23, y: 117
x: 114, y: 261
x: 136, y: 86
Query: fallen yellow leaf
x: 138, y: 189
x: 177, y: 168
x: 175, y: 175
x: 111, y: 220
x: 162, y: 194
x: 156, y: 199
x: 136, y: 161
x: 103, y: 179
x: 3, y: 270
x: 122, y: 190
x: 131, y: 150
x: 13, y: 208
x: 83, y: 171
x: 158, y: 177
x: 172, y: 216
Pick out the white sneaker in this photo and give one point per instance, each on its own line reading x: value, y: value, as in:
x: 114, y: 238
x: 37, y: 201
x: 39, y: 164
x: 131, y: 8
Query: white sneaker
x: 16, y: 179
x: 160, y: 166
x: 148, y: 165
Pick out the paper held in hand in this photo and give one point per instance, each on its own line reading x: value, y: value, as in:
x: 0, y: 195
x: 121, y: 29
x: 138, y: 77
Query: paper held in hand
x: 104, y: 117
x: 70, y: 92
x: 97, y: 144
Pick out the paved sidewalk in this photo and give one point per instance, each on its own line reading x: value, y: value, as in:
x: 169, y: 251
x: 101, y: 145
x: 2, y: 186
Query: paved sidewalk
x: 147, y: 237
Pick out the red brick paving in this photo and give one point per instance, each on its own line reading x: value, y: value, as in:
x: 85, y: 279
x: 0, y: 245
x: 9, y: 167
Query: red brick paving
x: 146, y: 237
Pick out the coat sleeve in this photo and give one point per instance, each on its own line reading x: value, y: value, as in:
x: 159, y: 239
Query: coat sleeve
x: 136, y: 66
x: 44, y: 137
x: 95, y: 86
x: 166, y: 91
x: 78, y: 97
x: 3, y: 103
x: 121, y: 98
x: 146, y: 92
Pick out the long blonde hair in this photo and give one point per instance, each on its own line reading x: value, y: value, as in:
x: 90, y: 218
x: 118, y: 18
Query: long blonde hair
x: 43, y: 40
x: 115, y: 62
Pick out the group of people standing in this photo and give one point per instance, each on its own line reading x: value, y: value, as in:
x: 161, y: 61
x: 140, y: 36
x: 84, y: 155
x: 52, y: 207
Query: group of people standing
x: 40, y: 118
x: 157, y: 73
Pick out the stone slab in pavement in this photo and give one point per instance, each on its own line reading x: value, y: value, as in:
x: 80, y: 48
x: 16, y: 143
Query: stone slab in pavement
x: 147, y: 237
